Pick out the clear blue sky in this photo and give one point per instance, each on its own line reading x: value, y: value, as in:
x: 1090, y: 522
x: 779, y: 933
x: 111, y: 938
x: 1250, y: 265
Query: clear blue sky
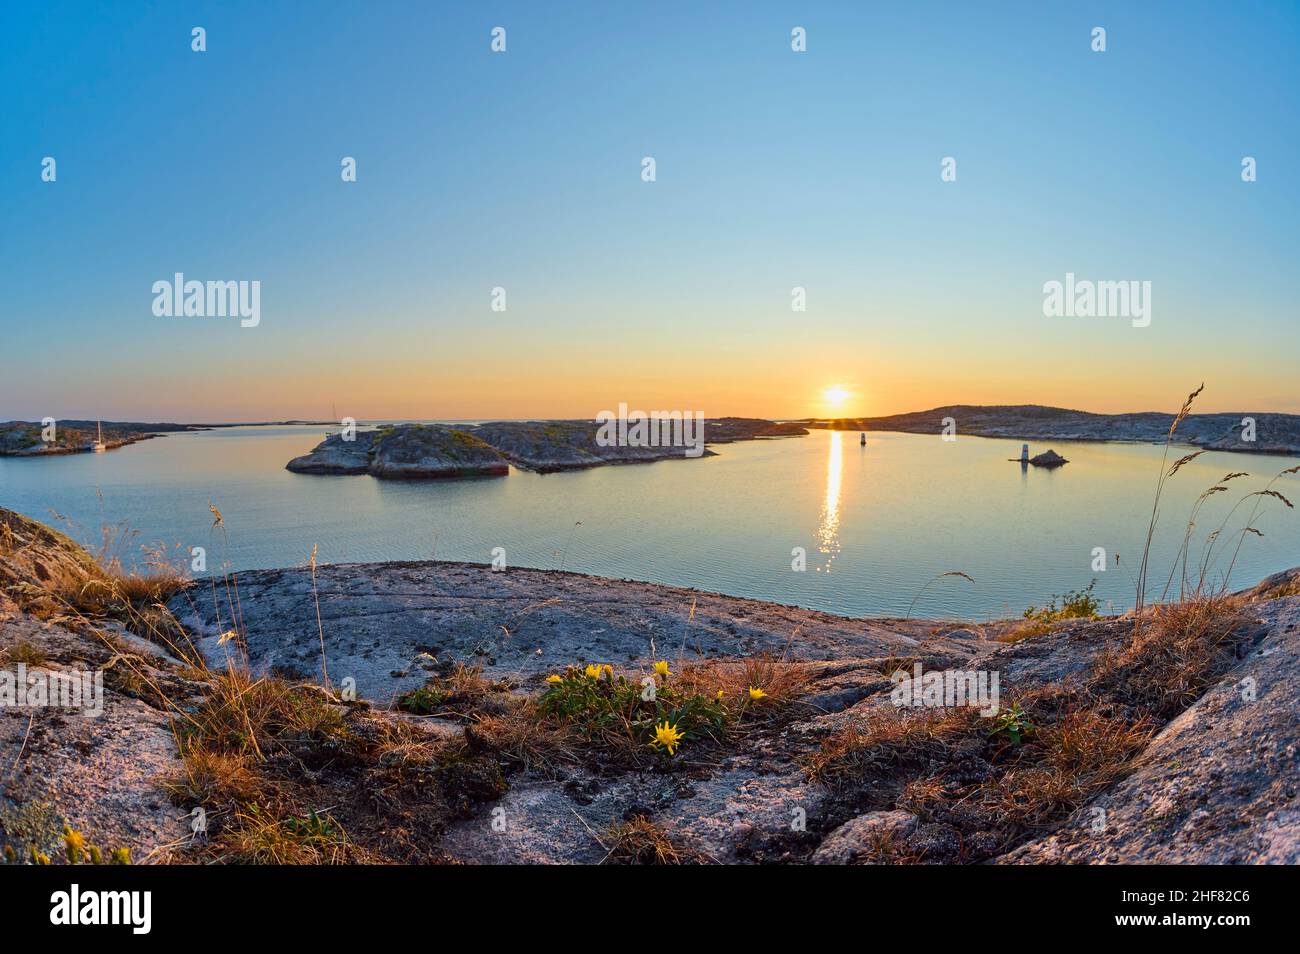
x: 522, y: 170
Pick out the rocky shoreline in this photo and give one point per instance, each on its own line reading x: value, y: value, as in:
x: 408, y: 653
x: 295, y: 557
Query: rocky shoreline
x: 435, y: 726
x: 24, y: 439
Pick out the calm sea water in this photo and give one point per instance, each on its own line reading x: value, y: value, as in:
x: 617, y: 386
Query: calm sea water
x: 877, y: 522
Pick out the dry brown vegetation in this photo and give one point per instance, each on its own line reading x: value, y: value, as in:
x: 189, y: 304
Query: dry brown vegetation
x: 956, y: 767
x: 1167, y: 664
x: 1078, y: 737
x: 54, y: 579
x: 290, y: 775
x: 22, y: 652
x: 638, y: 841
x: 781, y: 681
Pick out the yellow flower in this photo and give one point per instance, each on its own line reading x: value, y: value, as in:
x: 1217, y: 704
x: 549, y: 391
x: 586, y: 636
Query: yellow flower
x: 757, y: 693
x: 661, y: 669
x: 719, y: 695
x: 554, y: 680
x: 75, y: 842
x: 667, y: 736
x: 592, y: 671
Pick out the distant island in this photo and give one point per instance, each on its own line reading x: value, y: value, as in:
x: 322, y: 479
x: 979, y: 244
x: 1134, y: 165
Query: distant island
x: 27, y: 438
x: 544, y: 446
x: 1273, y: 433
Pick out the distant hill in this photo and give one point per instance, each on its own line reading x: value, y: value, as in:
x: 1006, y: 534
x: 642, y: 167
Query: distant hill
x: 1273, y: 433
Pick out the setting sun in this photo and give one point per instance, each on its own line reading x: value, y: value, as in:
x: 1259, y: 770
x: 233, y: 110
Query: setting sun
x: 836, y: 395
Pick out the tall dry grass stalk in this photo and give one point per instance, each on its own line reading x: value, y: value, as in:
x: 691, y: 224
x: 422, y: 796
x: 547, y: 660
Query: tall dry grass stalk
x: 912, y: 606
x: 231, y: 581
x: 324, y: 671
x: 1165, y: 473
x: 1205, y: 586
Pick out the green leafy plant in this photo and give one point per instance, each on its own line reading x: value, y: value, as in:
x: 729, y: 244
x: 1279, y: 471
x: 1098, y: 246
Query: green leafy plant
x: 1075, y: 604
x: 602, y: 705
x: 1013, y: 723
x: 422, y: 701
x: 313, y: 826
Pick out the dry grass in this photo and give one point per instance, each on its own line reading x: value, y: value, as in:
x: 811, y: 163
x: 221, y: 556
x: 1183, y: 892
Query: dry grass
x: 1167, y: 664
x: 219, y: 781
x: 524, y: 738
x: 892, y: 664
x: 1025, y: 631
x: 312, y: 839
x: 781, y: 682
x: 640, y: 841
x: 23, y: 652
x: 1289, y: 588
x: 288, y: 775
x: 1078, y: 757
x: 54, y: 579
x: 890, y: 742
x: 920, y: 764
x: 241, y: 714
x: 955, y: 767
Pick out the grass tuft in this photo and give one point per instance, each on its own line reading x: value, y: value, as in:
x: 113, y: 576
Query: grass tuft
x: 639, y: 841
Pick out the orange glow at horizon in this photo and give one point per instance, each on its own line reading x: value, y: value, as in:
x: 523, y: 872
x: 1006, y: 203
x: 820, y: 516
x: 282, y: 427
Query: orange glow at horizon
x: 249, y: 380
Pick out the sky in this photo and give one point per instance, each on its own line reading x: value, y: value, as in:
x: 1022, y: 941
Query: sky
x: 522, y: 170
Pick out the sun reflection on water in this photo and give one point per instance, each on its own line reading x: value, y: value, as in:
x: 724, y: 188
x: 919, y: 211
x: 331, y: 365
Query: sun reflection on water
x: 828, y: 530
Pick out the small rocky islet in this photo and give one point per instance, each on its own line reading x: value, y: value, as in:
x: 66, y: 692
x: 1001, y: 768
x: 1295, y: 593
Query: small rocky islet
x: 431, y: 451
x: 1048, y: 459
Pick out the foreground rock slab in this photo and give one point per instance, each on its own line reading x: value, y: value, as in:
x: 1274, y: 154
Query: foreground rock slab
x: 97, y: 773
x: 387, y: 625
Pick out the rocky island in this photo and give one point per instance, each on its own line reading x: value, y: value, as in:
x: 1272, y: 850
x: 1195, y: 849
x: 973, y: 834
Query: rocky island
x: 408, y: 451
x: 1049, y: 459
x: 466, y: 450
x: 26, y: 438
x: 389, y: 712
